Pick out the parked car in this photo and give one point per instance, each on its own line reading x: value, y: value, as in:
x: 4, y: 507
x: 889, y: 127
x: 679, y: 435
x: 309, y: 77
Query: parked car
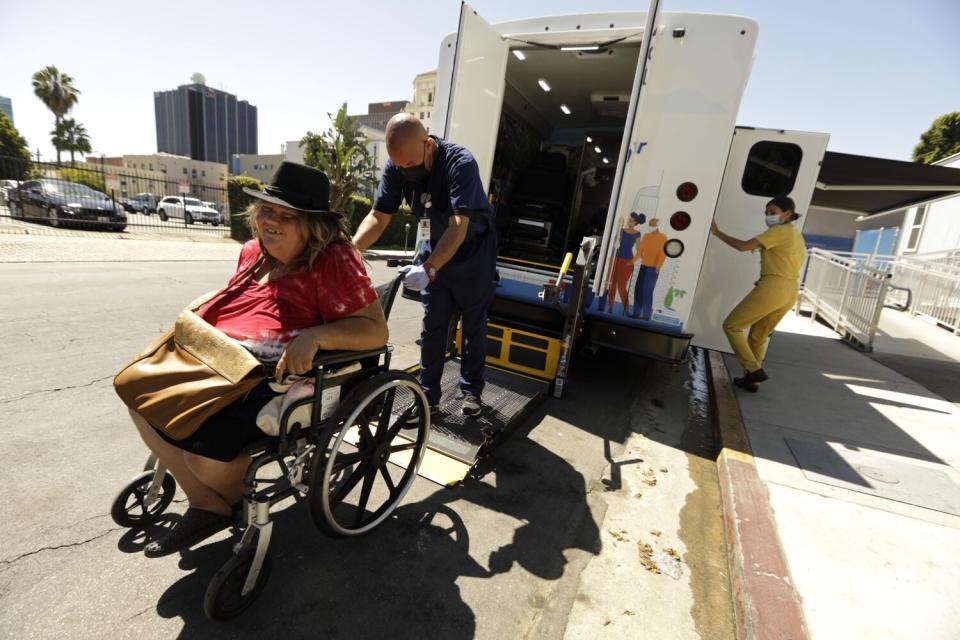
x: 190, y: 210
x: 62, y: 203
x: 5, y: 186
x: 145, y: 203
x: 219, y: 209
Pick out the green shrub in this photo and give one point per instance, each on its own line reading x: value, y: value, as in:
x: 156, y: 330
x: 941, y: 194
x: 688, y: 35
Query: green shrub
x: 393, y: 235
x: 238, y: 201
x: 93, y: 179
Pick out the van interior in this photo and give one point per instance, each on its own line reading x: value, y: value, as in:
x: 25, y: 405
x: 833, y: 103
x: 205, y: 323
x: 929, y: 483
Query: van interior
x: 561, y: 126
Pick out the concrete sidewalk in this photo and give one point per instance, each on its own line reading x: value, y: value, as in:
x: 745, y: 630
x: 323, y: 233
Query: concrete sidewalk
x: 113, y: 248
x: 860, y: 463
x: 119, y: 247
x: 917, y: 348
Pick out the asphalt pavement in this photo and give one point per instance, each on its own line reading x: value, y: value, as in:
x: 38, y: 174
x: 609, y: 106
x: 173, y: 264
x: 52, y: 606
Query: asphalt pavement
x: 598, y: 518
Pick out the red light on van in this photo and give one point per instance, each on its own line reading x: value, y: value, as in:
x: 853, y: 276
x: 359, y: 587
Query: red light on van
x: 687, y: 192
x: 680, y: 220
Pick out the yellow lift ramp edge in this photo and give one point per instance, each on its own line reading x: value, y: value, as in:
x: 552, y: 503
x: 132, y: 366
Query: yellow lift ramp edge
x: 457, y: 442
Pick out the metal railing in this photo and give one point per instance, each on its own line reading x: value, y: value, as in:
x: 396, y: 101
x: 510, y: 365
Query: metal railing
x: 847, y: 293
x: 848, y: 290
x: 934, y: 291
x: 107, y: 197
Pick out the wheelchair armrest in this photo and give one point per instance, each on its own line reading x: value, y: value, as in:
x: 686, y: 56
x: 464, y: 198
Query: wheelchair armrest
x: 327, y: 358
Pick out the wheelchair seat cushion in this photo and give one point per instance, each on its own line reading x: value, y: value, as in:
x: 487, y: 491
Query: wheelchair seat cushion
x: 269, y: 417
x: 229, y: 431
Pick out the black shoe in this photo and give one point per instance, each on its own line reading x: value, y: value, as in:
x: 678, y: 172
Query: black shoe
x: 749, y: 380
x: 414, y: 418
x: 195, y: 526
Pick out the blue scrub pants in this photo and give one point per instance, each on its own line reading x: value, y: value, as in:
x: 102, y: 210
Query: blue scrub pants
x: 643, y: 292
x: 440, y: 299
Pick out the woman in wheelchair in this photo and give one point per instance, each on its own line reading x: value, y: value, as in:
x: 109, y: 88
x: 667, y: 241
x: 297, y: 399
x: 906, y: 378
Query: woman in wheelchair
x: 300, y: 286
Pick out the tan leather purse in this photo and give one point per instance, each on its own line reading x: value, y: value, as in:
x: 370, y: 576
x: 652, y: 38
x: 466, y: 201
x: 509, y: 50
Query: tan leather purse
x: 188, y: 373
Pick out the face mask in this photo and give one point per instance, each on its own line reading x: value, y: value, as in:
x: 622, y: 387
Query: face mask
x: 417, y: 172
x: 772, y: 221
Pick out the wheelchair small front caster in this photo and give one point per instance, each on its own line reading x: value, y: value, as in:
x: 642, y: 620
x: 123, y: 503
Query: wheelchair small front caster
x: 224, y: 598
x: 134, y: 507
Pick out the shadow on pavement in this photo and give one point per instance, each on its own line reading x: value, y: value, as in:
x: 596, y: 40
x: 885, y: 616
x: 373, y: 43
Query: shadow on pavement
x: 401, y: 580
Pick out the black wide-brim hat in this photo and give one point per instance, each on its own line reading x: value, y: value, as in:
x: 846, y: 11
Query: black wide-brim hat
x: 298, y: 187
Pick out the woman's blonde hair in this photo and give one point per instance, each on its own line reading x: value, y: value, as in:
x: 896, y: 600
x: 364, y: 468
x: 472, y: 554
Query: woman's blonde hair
x: 320, y: 230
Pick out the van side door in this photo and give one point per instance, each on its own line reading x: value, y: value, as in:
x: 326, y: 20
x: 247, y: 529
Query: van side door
x: 762, y: 164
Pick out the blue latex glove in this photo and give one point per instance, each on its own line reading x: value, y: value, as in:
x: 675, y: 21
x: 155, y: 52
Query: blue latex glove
x: 415, y: 277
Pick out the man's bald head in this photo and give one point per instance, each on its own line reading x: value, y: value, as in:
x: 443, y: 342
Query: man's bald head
x: 402, y: 129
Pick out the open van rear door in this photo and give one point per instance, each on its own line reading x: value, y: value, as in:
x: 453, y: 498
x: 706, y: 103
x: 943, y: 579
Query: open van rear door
x: 470, y: 114
x: 762, y: 163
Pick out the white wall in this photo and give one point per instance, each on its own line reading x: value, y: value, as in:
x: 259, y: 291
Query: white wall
x: 292, y: 152
x: 377, y: 146
x: 941, y: 225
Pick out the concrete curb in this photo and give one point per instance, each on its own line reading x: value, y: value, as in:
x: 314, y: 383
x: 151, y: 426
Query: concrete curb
x: 766, y: 605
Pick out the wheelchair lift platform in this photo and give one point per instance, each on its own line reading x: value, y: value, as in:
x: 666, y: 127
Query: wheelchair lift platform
x: 457, y: 443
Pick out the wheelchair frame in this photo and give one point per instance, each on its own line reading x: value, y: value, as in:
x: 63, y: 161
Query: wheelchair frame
x: 301, y: 443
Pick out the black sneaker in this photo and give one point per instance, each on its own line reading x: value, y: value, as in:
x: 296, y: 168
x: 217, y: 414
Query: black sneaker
x: 195, y: 526
x: 414, y: 418
x: 471, y: 405
x: 749, y: 380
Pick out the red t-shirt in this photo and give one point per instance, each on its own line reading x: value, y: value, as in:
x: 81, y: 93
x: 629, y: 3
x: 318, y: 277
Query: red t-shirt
x: 265, y: 317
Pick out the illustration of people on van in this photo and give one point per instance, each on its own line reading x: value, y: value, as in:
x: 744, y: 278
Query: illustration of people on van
x: 651, y: 256
x: 623, y: 259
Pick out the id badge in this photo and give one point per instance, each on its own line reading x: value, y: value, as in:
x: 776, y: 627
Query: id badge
x: 423, y: 230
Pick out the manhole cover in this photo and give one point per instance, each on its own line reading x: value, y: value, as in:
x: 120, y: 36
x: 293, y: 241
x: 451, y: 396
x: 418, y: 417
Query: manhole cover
x: 885, y: 475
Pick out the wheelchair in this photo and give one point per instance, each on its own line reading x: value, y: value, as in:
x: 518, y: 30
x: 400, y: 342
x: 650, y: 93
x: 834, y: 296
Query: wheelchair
x: 353, y: 464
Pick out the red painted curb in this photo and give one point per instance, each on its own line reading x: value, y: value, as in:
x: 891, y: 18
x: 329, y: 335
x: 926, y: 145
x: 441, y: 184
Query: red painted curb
x: 766, y: 604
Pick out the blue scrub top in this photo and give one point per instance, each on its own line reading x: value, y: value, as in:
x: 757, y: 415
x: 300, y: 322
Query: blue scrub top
x: 452, y: 186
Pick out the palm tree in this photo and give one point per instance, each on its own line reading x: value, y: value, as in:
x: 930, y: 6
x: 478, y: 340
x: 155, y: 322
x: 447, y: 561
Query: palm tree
x: 341, y: 152
x: 55, y: 90
x: 71, y: 136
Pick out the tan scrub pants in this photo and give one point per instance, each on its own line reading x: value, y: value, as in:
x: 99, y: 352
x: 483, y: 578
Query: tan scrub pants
x: 760, y: 310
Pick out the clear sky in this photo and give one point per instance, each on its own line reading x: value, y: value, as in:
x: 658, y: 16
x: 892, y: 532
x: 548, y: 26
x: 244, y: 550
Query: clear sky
x: 873, y: 74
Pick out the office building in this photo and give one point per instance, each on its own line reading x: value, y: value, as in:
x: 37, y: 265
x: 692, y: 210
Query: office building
x: 6, y: 106
x: 204, y: 124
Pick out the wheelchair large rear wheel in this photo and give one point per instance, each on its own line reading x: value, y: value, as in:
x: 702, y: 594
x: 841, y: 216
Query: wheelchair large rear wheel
x: 131, y: 509
x: 369, y: 454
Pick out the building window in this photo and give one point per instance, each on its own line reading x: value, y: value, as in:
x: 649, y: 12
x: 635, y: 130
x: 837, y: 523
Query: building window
x: 914, y: 230
x: 771, y: 169
x: 422, y: 115
x: 430, y: 97
x: 151, y: 166
x: 184, y: 171
x: 203, y: 173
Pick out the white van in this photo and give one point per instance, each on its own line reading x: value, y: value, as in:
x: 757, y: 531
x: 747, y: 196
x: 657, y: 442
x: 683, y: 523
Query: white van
x: 572, y: 143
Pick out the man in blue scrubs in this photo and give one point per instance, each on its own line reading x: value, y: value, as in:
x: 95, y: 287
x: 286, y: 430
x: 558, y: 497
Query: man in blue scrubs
x: 456, y: 264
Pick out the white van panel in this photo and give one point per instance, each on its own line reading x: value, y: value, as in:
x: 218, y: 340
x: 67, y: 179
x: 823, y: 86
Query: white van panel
x: 471, y: 109
x: 681, y: 133
x: 728, y: 274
